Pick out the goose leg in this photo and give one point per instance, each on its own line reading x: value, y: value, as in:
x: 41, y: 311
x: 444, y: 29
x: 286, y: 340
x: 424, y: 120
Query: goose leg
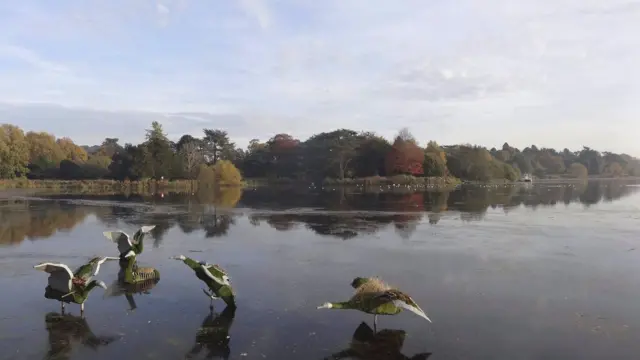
x: 62, y: 307
x: 375, y: 323
x: 82, y: 309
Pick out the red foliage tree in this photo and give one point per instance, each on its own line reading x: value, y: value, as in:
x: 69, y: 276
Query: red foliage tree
x: 405, y: 157
x: 282, y: 143
x: 284, y: 154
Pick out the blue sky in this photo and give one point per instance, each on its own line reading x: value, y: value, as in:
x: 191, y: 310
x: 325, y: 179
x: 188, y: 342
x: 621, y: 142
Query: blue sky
x: 555, y: 73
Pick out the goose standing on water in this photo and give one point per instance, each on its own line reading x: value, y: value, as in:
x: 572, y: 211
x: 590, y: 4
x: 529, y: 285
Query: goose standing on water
x: 67, y: 286
x: 133, y: 280
x: 126, y: 245
x: 373, y: 296
x: 214, y: 276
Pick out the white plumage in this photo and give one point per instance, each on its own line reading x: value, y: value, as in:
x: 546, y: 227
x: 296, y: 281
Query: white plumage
x: 60, y: 276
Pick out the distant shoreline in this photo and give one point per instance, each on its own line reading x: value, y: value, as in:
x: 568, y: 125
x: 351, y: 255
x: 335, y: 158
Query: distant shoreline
x: 20, y: 187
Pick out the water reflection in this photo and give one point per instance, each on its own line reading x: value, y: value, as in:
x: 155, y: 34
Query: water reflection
x: 382, y: 345
x: 64, y: 330
x: 213, y: 334
x: 347, y: 213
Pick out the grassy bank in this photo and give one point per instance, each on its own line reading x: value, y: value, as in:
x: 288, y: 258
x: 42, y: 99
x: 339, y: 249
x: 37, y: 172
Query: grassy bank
x: 397, y: 180
x: 146, y: 186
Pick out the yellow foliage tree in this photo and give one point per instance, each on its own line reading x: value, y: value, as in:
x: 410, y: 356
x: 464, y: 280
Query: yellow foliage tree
x: 226, y: 173
x: 43, y: 149
x: 100, y: 161
x: 615, y: 169
x: 206, y: 175
x: 14, y: 152
x: 71, y: 151
x: 578, y: 171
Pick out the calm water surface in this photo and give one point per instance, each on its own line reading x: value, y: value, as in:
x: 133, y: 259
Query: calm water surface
x: 547, y: 271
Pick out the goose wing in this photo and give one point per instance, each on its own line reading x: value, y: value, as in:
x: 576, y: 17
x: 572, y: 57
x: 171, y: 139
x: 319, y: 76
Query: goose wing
x: 96, y: 262
x: 121, y: 239
x: 216, y: 273
x: 60, y: 275
x: 401, y: 300
x: 137, y: 237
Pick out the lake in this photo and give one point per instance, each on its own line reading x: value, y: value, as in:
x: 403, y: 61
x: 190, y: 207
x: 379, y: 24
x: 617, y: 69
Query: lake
x: 542, y: 271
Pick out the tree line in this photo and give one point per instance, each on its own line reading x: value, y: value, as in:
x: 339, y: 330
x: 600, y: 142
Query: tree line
x: 340, y: 154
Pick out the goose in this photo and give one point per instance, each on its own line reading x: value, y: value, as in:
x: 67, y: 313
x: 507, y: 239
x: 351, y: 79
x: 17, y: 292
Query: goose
x: 126, y: 246
x: 214, y: 276
x: 132, y: 280
x: 131, y: 273
x: 67, y: 286
x: 373, y: 296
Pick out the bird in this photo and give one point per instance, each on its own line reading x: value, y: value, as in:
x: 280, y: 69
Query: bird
x: 373, y: 296
x: 131, y: 273
x: 67, y: 286
x: 141, y: 281
x: 126, y: 245
x: 214, y: 276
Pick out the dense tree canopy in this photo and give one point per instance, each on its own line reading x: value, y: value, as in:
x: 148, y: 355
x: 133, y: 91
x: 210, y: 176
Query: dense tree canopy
x: 337, y: 154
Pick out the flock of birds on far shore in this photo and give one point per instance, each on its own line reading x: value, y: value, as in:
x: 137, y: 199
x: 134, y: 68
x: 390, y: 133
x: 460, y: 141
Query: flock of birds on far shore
x: 371, y: 295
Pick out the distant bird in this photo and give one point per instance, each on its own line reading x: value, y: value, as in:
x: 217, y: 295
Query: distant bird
x: 215, y: 277
x: 127, y: 246
x: 373, y: 296
x: 67, y: 286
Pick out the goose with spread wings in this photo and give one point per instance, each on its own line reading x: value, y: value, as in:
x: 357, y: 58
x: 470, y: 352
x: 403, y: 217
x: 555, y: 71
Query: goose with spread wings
x: 67, y: 286
x: 214, y: 276
x: 373, y: 296
x: 128, y: 246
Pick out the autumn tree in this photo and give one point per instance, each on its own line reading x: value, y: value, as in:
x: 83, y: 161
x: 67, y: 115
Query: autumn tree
x: 226, y: 173
x: 71, y: 151
x: 44, y: 153
x: 435, y: 160
x: 578, y: 171
x: 405, y: 156
x: 284, y: 155
x: 614, y: 169
x: 14, y: 152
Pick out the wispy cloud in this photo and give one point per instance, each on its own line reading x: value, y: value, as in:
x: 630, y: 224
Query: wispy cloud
x: 258, y: 10
x: 549, y: 72
x: 32, y: 58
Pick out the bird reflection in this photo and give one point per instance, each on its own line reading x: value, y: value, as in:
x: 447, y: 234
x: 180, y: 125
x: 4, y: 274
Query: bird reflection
x: 382, y: 345
x: 214, y: 334
x: 64, y: 329
x: 133, y: 280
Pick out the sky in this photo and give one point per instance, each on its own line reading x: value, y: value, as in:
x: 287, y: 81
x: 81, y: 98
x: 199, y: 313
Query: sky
x: 555, y: 73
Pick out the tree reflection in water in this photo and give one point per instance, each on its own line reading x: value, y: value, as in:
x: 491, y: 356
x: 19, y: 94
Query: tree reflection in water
x: 344, y: 213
